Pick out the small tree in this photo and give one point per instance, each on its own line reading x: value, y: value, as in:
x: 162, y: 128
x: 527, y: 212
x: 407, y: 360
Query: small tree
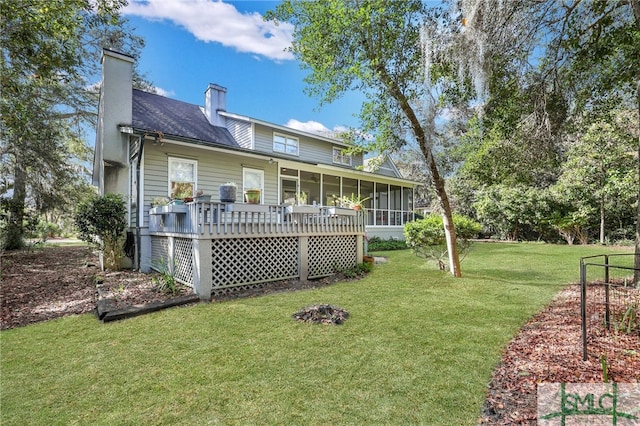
x: 101, y: 221
x: 426, y: 237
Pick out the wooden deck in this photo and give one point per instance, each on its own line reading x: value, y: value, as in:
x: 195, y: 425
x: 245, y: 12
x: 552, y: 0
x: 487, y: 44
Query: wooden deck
x: 224, y: 220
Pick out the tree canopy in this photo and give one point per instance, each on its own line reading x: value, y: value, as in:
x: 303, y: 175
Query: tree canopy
x: 50, y: 55
x: 524, y: 109
x: 373, y: 46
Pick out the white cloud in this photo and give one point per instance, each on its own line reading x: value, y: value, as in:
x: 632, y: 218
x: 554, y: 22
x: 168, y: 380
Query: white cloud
x: 309, y: 126
x: 314, y: 127
x: 162, y: 92
x: 215, y: 21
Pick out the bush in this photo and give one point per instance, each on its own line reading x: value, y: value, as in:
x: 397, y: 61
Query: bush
x: 101, y: 221
x: 359, y: 270
x: 378, y: 244
x: 426, y: 237
x: 166, y: 282
x: 46, y: 230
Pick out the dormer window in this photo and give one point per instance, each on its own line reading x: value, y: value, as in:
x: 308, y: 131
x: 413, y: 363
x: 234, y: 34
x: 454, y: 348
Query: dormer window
x: 285, y: 144
x: 339, y: 157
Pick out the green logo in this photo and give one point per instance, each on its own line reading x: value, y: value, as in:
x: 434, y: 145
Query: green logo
x: 588, y: 403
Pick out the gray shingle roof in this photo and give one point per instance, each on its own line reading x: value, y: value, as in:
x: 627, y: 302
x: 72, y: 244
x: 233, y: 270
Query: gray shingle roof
x: 176, y: 118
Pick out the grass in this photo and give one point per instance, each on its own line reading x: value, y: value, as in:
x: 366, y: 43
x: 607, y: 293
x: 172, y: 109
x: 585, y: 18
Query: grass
x: 418, y: 348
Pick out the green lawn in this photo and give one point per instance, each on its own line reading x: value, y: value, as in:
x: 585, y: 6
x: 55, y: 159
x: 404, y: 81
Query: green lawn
x: 419, y: 348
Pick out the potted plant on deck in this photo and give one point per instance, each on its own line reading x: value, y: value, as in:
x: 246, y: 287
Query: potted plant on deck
x: 181, y: 192
x: 302, y: 198
x: 252, y: 196
x: 201, y: 197
x: 159, y: 202
x: 228, y: 192
x: 354, y: 202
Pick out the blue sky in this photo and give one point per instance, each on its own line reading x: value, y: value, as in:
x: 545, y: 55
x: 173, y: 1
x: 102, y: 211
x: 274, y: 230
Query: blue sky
x: 191, y: 43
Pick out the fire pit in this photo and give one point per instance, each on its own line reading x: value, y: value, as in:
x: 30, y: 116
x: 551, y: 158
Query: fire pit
x: 322, y: 314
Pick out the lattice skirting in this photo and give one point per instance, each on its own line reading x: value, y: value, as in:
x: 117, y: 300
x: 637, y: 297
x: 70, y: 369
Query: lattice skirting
x: 181, y: 259
x: 159, y: 251
x: 237, y: 289
x: 183, y: 252
x: 247, y: 263
x: 331, y: 253
x: 243, y: 261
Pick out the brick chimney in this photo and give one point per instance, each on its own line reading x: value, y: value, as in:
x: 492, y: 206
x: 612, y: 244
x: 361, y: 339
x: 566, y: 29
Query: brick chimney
x: 215, y: 100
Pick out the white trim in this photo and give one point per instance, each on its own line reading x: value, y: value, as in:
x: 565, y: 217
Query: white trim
x: 129, y: 181
x: 141, y: 211
x: 259, y: 172
x: 172, y: 159
x: 286, y: 138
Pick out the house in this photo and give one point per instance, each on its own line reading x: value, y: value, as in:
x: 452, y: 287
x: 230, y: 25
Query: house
x: 150, y: 146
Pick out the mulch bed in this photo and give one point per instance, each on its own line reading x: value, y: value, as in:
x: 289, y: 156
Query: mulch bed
x: 548, y: 349
x: 43, y: 284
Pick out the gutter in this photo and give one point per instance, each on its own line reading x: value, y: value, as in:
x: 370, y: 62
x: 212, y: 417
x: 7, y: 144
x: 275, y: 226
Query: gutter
x: 139, y: 196
x: 182, y: 140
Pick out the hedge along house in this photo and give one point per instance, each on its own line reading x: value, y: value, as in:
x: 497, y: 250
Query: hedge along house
x: 150, y: 146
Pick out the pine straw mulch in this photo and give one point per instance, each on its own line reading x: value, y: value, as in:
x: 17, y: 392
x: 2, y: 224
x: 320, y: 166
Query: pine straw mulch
x: 52, y: 282
x: 49, y: 283
x: 549, y: 349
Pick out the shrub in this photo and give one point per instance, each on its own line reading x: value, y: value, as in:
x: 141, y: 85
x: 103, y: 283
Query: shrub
x: 426, y: 237
x: 45, y: 230
x: 358, y: 270
x: 378, y: 244
x: 101, y: 221
x: 166, y: 282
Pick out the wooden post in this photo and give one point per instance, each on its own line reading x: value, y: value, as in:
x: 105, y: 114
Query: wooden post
x: 303, y: 258
x: 202, y: 269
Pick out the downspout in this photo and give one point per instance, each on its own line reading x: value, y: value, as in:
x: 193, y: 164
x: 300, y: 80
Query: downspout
x: 138, y: 203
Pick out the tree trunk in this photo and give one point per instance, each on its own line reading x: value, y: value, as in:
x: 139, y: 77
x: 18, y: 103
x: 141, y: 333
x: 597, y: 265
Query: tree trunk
x: 635, y: 7
x: 447, y: 218
x: 636, y: 263
x: 15, y: 226
x: 422, y: 138
x: 602, y: 220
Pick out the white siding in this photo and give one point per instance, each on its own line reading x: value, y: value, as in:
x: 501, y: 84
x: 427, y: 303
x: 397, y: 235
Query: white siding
x: 310, y: 150
x: 387, y: 169
x: 214, y: 168
x: 241, y: 132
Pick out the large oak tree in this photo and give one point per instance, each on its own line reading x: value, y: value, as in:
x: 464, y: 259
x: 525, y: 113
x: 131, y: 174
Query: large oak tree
x: 373, y: 46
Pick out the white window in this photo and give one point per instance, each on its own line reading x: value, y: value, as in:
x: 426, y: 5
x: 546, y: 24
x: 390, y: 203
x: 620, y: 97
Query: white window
x: 285, y: 144
x: 340, y: 157
x: 253, y: 179
x: 182, y: 177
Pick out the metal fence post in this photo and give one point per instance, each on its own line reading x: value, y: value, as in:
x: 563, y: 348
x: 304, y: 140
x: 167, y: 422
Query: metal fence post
x: 583, y: 307
x: 607, y: 310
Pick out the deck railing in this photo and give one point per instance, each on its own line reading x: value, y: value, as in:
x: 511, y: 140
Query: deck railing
x: 214, y: 247
x: 225, y: 220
